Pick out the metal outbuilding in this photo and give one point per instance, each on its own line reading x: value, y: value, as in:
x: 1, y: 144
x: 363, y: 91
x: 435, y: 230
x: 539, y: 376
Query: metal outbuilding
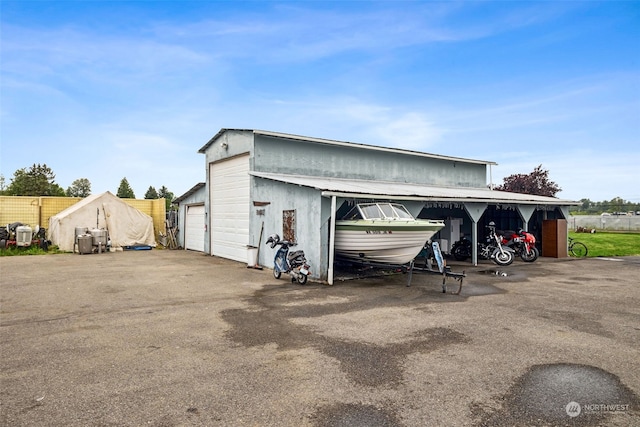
x: 261, y: 182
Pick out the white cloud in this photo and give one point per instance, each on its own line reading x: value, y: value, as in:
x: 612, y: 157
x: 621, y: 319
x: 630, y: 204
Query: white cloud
x: 293, y: 33
x: 46, y: 53
x: 412, y: 130
x: 353, y: 120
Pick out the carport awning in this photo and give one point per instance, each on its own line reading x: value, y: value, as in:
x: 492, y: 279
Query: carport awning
x: 355, y: 188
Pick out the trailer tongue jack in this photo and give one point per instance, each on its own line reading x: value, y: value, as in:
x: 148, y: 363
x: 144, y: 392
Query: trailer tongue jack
x: 434, y: 254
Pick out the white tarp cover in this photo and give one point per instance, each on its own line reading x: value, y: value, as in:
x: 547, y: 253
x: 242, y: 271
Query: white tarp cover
x: 126, y: 225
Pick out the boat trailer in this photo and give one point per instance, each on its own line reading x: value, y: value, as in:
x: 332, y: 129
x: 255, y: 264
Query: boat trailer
x: 434, y: 263
x: 434, y: 254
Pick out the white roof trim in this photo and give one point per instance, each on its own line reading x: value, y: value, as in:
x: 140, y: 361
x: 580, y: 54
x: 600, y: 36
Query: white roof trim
x: 355, y: 188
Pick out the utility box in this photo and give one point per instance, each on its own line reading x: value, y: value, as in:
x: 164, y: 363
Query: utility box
x: 554, y: 238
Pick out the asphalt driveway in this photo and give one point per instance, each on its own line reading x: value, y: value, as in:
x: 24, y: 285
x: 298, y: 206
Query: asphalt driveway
x: 177, y: 338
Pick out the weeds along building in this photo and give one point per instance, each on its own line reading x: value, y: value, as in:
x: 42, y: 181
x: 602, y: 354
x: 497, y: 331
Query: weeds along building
x: 260, y: 182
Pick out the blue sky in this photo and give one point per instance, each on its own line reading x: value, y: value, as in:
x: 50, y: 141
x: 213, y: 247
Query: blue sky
x: 106, y: 90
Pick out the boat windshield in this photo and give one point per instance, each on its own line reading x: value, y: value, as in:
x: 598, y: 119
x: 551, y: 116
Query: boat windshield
x: 402, y: 212
x: 371, y: 211
x: 384, y: 211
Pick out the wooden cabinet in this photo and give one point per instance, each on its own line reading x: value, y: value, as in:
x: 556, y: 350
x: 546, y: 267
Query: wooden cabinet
x: 554, y: 238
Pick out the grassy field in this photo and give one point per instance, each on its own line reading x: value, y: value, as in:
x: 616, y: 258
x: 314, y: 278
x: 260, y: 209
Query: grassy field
x: 609, y: 244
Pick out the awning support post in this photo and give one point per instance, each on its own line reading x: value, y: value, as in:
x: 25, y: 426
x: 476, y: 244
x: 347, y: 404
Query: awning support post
x: 332, y: 240
x: 474, y: 242
x: 475, y: 211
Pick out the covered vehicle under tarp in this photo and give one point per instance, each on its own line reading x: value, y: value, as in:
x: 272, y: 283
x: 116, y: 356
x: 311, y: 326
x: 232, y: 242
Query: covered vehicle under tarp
x: 126, y: 225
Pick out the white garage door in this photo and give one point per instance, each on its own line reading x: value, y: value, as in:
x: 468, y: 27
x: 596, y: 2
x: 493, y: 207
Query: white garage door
x: 194, y: 228
x: 230, y: 208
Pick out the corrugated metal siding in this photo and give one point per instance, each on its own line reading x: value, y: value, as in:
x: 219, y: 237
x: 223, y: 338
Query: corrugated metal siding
x: 349, y: 161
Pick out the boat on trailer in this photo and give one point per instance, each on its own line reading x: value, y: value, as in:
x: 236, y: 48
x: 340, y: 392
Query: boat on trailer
x: 383, y: 233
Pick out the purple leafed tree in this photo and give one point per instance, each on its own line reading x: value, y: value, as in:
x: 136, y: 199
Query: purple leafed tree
x: 537, y: 182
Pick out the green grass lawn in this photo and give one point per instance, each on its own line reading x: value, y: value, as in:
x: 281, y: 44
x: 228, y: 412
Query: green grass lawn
x: 609, y: 244
x: 31, y: 250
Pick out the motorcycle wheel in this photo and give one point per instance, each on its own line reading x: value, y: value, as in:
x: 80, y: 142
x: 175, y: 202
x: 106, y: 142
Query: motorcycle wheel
x: 503, y: 258
x: 459, y: 253
x: 531, y: 256
x: 302, y: 279
x: 276, y: 273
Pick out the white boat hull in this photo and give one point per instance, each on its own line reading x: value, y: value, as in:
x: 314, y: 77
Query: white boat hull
x: 377, y: 244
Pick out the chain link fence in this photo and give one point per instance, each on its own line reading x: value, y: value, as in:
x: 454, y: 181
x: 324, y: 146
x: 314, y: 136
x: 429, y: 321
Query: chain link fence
x: 629, y: 223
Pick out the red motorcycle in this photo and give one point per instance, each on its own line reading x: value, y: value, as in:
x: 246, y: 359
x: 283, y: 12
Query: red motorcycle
x: 522, y: 243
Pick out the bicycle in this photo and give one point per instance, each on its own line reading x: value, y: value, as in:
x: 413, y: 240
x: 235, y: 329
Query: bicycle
x: 577, y: 249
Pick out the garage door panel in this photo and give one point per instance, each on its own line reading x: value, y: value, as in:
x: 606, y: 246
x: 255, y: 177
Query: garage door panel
x: 228, y: 231
x: 194, y: 228
x: 230, y: 208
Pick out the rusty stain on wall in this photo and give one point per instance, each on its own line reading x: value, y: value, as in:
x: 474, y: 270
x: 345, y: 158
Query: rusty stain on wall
x: 289, y: 225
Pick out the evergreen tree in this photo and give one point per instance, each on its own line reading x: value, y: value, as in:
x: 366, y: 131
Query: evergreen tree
x: 38, y: 180
x: 167, y: 195
x: 151, y: 193
x: 125, y: 191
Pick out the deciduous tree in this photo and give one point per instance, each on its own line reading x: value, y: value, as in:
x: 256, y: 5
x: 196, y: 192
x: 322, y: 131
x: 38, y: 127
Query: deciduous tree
x: 38, y: 180
x: 79, y: 188
x: 537, y: 183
